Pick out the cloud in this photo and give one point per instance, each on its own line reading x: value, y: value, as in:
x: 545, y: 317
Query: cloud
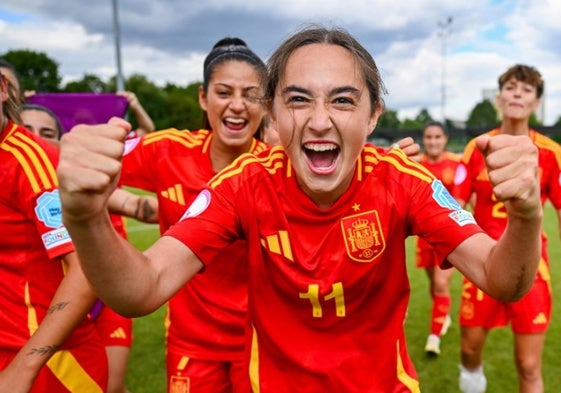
x: 167, y: 40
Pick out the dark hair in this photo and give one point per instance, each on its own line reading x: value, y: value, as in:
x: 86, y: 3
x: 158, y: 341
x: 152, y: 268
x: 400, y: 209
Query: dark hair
x: 321, y: 35
x: 523, y: 73
x: 15, y: 99
x: 41, y: 108
x: 434, y: 123
x: 229, y: 49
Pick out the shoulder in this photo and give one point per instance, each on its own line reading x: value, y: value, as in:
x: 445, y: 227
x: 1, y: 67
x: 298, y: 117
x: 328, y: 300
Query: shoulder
x: 545, y: 143
x: 174, y: 136
x: 31, y: 156
x: 269, y: 162
x: 394, y: 163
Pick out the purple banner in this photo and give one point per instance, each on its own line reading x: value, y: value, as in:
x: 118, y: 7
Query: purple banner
x: 82, y: 108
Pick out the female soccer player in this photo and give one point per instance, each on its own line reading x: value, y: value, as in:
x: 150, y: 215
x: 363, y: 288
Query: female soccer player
x: 206, y: 319
x: 442, y: 165
x: 520, y: 89
x: 324, y: 218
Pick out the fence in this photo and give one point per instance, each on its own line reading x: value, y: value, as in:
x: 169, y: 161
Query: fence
x: 457, y: 137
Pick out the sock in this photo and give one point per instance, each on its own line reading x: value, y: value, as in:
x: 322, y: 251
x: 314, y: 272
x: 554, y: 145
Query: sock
x: 440, y: 309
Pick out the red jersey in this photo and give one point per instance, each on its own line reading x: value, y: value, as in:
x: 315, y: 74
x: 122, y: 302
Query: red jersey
x: 33, y: 237
x: 443, y: 169
x: 206, y: 318
x: 472, y: 176
x: 328, y: 288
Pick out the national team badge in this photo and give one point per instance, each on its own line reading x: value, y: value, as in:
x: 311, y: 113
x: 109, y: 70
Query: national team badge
x: 179, y: 384
x: 363, y: 236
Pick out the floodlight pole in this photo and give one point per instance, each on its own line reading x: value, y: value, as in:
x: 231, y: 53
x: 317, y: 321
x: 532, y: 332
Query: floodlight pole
x: 119, y: 78
x: 444, y: 32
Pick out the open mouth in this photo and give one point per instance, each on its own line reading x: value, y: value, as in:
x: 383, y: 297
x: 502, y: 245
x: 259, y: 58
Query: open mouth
x: 235, y: 123
x: 322, y: 157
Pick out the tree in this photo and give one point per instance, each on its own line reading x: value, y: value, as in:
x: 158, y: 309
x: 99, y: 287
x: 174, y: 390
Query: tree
x: 388, y: 120
x: 424, y: 117
x: 418, y: 122
x: 534, y: 121
x: 482, y: 115
x: 183, y: 107
x: 152, y: 98
x: 558, y: 122
x: 88, y: 84
x: 36, y: 70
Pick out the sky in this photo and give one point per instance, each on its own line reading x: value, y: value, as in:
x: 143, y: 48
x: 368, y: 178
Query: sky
x: 440, y: 55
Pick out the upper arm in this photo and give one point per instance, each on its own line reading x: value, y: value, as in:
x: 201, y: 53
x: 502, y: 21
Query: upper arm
x: 470, y: 255
x: 174, y: 263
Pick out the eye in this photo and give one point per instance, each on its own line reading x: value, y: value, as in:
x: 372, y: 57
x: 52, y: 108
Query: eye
x: 297, y: 100
x: 223, y: 93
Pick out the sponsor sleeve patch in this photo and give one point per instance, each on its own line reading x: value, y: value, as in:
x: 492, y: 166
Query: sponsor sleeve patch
x: 462, y: 217
x: 55, y: 238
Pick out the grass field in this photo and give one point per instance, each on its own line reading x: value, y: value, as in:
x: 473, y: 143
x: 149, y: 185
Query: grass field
x: 146, y: 372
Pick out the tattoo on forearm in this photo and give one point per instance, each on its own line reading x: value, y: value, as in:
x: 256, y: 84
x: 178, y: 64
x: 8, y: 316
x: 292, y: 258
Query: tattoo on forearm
x: 43, y: 351
x: 57, y: 307
x: 124, y: 203
x: 143, y: 210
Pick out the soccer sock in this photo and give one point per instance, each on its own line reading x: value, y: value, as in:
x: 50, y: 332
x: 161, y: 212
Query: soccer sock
x: 440, y: 309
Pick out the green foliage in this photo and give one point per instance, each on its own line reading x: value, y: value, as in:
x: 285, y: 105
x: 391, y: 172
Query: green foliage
x: 416, y: 124
x: 388, y: 120
x: 534, y: 121
x: 183, y: 109
x: 558, y: 122
x: 88, y: 84
x: 482, y: 115
x: 36, y: 70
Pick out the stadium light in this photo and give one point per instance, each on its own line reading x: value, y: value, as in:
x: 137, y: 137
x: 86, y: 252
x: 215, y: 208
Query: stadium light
x: 444, y: 32
x: 117, y: 34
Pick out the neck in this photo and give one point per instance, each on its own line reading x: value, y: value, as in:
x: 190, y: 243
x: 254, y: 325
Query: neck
x: 222, y: 156
x: 515, y: 127
x: 434, y: 158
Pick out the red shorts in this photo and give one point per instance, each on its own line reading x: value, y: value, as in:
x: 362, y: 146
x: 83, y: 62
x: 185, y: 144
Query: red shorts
x: 114, y: 329
x: 425, y: 256
x: 188, y: 375
x: 531, y: 314
x: 78, y: 369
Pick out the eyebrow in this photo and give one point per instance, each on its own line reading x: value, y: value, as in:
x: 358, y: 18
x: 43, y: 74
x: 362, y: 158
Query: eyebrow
x: 220, y: 84
x: 332, y: 92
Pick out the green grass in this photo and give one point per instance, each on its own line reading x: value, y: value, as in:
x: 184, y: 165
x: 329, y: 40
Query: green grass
x: 147, y: 368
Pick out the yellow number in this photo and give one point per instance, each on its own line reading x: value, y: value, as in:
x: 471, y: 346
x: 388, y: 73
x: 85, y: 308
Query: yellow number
x: 336, y: 294
x: 499, y: 209
x: 313, y: 296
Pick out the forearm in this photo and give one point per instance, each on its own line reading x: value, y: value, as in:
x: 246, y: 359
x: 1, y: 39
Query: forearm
x: 119, y: 273
x: 70, y: 305
x: 140, y: 207
x: 512, y: 264
x: 143, y: 119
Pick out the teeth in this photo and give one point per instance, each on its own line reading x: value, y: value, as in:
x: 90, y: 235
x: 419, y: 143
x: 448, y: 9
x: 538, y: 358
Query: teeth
x: 320, y: 146
x: 234, y: 120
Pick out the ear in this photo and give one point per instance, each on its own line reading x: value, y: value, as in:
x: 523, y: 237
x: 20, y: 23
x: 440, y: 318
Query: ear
x: 3, y: 88
x: 202, y: 98
x: 374, y: 116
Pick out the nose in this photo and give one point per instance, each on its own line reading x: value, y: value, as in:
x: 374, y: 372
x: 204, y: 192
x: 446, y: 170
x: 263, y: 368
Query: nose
x: 237, y: 103
x: 320, y: 118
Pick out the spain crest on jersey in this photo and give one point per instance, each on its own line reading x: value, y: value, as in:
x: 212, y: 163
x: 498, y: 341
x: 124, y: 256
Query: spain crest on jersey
x: 364, y: 239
